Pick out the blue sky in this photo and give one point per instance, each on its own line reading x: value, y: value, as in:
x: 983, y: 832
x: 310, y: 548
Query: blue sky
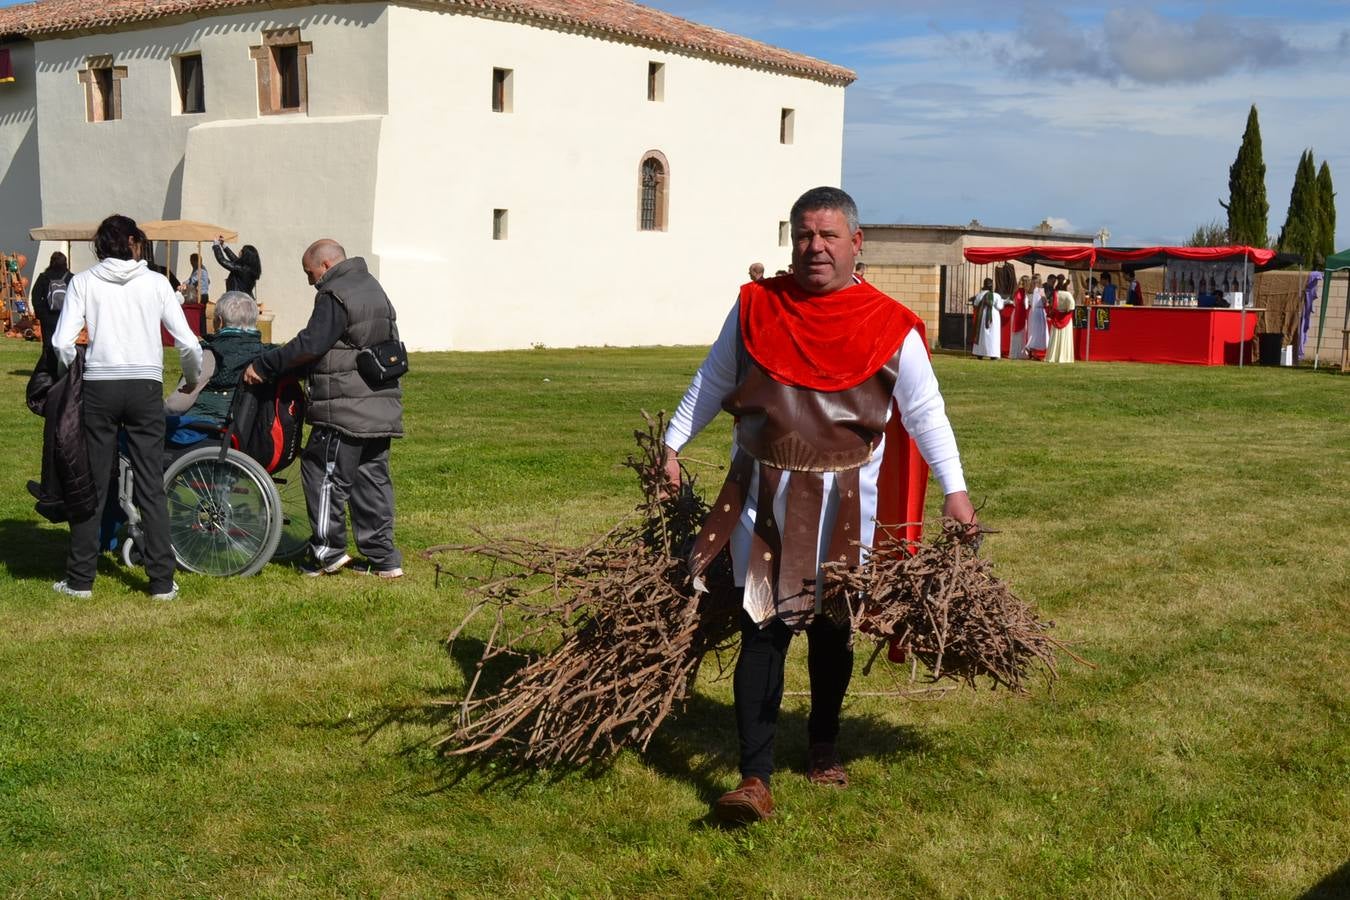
x: 1091, y: 115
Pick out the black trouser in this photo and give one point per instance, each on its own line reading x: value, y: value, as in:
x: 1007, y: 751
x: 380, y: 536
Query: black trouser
x: 137, y: 407
x: 758, y: 686
x: 336, y: 470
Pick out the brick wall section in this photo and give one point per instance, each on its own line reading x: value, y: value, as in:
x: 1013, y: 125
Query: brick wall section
x: 914, y: 286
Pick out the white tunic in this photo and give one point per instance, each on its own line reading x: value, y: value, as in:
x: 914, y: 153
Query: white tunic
x: 1038, y: 329
x: 1061, y: 339
x: 989, y: 337
x: 922, y: 413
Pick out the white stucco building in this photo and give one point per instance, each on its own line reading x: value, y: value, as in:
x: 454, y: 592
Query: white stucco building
x: 516, y: 172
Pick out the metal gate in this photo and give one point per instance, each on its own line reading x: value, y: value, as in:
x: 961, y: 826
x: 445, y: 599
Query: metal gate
x: 957, y: 284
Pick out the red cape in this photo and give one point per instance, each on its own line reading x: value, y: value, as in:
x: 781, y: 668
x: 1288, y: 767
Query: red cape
x: 1057, y: 319
x: 1019, y: 310
x: 829, y: 342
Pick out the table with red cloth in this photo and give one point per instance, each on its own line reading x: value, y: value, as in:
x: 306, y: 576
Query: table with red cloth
x: 1164, y: 334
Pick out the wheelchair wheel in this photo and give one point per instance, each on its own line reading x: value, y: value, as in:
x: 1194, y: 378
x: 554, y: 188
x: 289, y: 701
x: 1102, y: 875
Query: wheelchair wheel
x: 224, y: 515
x: 294, y: 515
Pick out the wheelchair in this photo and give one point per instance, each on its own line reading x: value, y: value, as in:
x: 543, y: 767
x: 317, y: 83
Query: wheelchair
x: 229, y: 513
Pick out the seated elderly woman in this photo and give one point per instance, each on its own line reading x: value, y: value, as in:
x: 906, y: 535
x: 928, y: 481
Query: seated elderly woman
x: 236, y: 343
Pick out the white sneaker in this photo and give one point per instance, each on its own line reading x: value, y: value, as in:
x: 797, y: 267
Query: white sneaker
x: 170, y: 594
x: 366, y: 568
x: 313, y: 569
x: 62, y: 587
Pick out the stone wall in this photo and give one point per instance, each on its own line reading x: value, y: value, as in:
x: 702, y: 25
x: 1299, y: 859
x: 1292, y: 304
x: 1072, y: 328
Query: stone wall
x: 915, y: 286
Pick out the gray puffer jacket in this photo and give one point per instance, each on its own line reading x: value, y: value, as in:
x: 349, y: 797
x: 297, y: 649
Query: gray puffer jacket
x: 339, y: 397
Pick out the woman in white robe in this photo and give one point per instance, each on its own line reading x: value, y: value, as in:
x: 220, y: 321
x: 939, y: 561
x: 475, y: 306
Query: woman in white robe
x: 988, y: 323
x: 1037, y: 334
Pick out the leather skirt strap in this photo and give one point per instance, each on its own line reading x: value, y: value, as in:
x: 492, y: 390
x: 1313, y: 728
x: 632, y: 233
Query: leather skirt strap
x: 761, y: 573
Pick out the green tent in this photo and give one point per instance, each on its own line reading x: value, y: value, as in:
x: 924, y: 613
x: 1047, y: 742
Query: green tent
x: 1336, y: 262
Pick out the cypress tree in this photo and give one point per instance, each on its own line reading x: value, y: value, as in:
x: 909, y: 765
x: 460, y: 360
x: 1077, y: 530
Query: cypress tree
x: 1302, y: 229
x: 1248, y: 210
x: 1326, y: 198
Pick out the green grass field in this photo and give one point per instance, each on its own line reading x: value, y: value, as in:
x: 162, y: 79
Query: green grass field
x: 1189, y: 528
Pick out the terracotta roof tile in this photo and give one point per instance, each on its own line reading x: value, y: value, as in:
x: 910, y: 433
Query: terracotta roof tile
x: 620, y: 18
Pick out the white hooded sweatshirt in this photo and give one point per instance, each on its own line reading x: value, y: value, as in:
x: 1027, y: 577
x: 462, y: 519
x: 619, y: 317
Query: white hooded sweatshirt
x: 123, y: 303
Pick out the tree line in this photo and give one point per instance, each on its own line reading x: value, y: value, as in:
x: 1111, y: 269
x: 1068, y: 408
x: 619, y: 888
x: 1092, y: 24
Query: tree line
x: 1310, y: 224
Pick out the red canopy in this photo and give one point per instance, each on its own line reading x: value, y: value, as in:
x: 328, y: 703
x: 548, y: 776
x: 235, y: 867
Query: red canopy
x: 1028, y: 253
x: 1142, y: 257
x: 1257, y: 255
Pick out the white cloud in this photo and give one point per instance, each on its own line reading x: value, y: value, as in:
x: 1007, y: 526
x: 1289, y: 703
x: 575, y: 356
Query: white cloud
x: 947, y: 123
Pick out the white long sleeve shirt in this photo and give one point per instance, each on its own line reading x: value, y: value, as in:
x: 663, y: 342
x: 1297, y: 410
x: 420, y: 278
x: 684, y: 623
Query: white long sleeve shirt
x: 916, y: 395
x: 123, y: 304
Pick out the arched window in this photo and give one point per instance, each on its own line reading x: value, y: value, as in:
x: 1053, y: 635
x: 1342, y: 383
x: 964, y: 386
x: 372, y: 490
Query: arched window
x: 653, y: 191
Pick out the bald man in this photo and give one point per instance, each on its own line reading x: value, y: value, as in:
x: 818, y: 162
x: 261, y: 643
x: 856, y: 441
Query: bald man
x: 346, y: 461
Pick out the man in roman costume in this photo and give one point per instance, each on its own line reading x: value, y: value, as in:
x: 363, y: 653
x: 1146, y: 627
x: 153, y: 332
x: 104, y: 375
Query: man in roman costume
x: 838, y: 420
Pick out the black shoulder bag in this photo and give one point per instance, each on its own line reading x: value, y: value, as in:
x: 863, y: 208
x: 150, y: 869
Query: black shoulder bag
x: 383, y: 364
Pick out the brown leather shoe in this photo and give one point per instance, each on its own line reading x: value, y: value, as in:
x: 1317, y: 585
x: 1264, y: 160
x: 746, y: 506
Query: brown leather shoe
x: 750, y: 802
x: 824, y: 767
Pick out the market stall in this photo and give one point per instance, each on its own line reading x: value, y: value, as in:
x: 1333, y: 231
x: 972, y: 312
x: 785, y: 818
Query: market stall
x: 1202, y: 315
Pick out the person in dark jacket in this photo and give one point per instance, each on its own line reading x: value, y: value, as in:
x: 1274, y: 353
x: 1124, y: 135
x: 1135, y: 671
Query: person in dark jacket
x: 236, y: 343
x: 58, y: 270
x: 66, y: 490
x: 244, y: 269
x: 347, y: 457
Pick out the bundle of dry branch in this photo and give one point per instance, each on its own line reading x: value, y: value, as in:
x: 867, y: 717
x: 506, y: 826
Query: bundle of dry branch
x: 941, y: 605
x: 633, y: 635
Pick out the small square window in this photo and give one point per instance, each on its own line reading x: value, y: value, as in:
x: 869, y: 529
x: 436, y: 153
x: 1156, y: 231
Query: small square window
x: 785, y: 125
x: 499, y: 224
x: 784, y: 234
x: 191, y: 89
x: 656, y: 81
x: 502, y: 89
